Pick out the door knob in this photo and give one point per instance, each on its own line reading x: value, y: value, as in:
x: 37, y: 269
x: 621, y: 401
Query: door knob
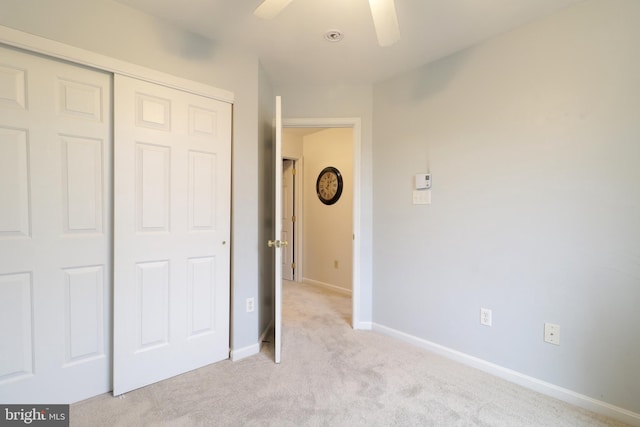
x: 277, y: 243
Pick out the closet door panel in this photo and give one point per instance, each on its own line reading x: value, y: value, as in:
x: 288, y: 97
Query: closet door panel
x: 172, y: 210
x: 55, y: 230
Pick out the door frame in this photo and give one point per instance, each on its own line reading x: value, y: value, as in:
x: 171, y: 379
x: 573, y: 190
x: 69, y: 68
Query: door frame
x: 294, y: 239
x: 298, y: 237
x: 354, y: 123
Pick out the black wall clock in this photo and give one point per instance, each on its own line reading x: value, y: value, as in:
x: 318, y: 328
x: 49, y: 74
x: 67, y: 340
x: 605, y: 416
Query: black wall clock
x: 329, y: 185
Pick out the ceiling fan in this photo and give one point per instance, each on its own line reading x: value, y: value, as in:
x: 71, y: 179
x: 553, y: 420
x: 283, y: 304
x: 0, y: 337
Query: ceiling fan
x: 383, y: 12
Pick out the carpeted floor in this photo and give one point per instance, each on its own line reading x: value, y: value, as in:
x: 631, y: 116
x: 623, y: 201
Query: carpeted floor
x: 331, y: 375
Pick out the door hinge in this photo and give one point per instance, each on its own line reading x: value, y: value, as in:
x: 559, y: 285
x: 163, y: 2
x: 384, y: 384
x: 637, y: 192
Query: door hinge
x: 293, y: 172
x: 293, y: 265
x: 293, y: 218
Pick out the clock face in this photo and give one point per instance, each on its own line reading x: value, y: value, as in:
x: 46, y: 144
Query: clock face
x: 329, y: 185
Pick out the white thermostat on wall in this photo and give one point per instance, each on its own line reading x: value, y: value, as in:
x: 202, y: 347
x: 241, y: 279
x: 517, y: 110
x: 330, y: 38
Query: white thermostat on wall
x: 423, y: 181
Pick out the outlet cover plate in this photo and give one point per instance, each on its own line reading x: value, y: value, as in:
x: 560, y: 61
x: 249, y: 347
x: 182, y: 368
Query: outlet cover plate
x: 552, y: 333
x: 485, y: 316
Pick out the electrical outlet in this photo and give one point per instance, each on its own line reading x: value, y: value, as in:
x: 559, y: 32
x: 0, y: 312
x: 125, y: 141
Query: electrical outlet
x: 250, y: 305
x: 485, y: 316
x: 552, y: 333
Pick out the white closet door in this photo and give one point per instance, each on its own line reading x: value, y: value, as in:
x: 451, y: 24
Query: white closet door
x: 55, y: 229
x: 172, y: 227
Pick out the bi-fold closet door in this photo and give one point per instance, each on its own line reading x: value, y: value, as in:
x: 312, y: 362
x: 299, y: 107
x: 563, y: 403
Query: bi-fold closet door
x: 60, y: 222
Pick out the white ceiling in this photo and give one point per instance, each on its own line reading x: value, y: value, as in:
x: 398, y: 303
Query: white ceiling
x: 292, y: 49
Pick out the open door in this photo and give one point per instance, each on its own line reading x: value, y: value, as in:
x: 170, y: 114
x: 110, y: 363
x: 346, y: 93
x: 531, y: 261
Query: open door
x: 276, y: 243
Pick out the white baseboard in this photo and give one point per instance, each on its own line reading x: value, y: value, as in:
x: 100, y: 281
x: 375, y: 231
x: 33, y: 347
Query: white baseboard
x: 245, y: 352
x: 251, y: 350
x: 327, y: 285
x: 540, y: 386
x: 364, y: 326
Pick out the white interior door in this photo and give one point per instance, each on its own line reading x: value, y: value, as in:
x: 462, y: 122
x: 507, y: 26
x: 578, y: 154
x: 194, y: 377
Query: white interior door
x: 277, y: 242
x: 172, y: 229
x: 55, y: 230
x: 288, y: 218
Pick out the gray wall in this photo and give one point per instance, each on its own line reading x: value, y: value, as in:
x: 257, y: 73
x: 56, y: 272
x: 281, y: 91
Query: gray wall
x: 265, y: 299
x: 111, y: 29
x: 533, y: 140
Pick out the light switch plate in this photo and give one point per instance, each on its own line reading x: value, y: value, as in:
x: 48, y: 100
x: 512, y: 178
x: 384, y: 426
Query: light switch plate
x: 421, y: 197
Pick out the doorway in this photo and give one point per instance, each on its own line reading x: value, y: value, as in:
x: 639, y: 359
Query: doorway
x: 324, y: 235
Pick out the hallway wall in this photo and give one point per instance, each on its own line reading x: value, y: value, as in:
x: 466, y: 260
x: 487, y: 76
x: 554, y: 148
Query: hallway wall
x: 328, y: 229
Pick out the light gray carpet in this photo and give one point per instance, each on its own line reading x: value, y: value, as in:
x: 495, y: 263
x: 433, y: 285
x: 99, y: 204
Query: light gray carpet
x: 331, y: 375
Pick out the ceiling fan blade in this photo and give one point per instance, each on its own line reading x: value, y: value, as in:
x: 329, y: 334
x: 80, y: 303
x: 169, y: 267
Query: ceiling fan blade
x: 385, y: 21
x: 270, y: 8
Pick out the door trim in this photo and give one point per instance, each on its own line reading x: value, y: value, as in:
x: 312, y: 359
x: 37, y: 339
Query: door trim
x: 356, y: 124
x: 293, y: 239
x: 298, y: 238
x: 37, y: 44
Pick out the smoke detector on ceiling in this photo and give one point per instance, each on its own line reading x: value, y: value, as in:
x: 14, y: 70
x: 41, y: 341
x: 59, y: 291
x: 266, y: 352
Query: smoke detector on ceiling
x: 383, y: 13
x: 333, y: 35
